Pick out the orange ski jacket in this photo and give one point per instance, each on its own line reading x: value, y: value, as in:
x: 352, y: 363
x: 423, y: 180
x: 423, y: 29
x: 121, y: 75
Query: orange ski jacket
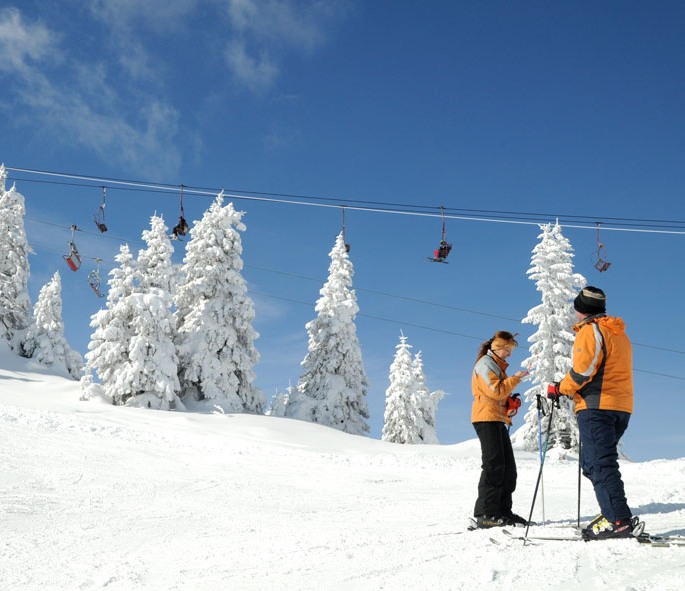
x: 602, y: 372
x: 491, y: 387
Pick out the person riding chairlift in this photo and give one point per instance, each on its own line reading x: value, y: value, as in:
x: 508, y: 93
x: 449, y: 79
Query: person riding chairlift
x: 442, y: 251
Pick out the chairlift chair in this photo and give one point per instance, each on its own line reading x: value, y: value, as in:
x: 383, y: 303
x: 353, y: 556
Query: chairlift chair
x: 602, y: 264
x: 442, y: 252
x: 73, y: 259
x: 180, y: 229
x: 94, y: 279
x: 99, y: 217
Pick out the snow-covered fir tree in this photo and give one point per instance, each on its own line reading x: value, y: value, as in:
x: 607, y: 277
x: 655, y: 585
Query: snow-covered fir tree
x: 45, y: 341
x: 279, y: 403
x: 427, y: 401
x: 403, y: 421
x: 333, y: 384
x: 108, y: 349
x: 214, y: 314
x: 15, y: 304
x: 151, y: 371
x: 552, y: 343
x: 154, y: 265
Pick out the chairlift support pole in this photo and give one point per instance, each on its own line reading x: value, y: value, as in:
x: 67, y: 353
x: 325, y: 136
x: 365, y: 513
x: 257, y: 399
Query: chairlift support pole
x: 347, y: 246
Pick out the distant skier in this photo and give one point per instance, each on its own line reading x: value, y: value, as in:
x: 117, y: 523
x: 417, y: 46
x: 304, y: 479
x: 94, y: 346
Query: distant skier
x: 601, y: 384
x: 493, y: 407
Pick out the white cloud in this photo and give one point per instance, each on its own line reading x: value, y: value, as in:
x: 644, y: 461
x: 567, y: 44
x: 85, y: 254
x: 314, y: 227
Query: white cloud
x: 160, y: 15
x: 78, y: 104
x: 22, y: 44
x: 281, y: 136
x: 280, y: 21
x: 272, y: 26
x: 257, y: 74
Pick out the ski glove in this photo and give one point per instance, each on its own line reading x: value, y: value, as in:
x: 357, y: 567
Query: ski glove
x: 513, y: 404
x: 553, y: 391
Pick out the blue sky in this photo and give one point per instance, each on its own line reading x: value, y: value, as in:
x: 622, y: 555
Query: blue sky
x: 555, y: 109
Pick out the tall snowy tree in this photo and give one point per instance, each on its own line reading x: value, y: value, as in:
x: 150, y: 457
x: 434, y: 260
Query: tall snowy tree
x: 403, y: 421
x: 15, y: 304
x: 151, y: 371
x: 108, y: 349
x: 45, y: 341
x: 552, y: 343
x: 427, y: 401
x: 214, y: 314
x: 332, y: 387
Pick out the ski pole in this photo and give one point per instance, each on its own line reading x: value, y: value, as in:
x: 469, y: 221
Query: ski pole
x: 541, y: 413
x: 579, y: 470
x: 542, y: 464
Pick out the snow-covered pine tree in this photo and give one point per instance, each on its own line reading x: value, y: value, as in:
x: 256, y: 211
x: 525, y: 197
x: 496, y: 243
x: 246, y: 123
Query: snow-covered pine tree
x: 108, y: 349
x: 214, y: 314
x: 152, y: 367
x: 403, y: 420
x: 15, y: 304
x: 279, y: 403
x: 427, y: 400
x: 332, y: 387
x: 552, y: 343
x: 45, y: 341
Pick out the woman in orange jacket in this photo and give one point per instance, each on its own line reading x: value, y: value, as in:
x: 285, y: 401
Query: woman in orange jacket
x: 493, y: 407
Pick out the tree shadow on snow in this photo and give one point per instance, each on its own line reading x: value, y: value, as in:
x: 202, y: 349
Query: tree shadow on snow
x: 16, y: 378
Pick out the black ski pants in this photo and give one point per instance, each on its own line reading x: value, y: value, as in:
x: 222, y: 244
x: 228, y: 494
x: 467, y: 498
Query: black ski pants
x: 498, y: 478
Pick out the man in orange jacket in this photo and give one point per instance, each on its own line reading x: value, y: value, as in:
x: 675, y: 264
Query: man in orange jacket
x: 601, y: 384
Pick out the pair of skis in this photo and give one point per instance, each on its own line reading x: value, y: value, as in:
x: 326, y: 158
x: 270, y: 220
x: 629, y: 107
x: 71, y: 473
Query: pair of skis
x: 639, y: 534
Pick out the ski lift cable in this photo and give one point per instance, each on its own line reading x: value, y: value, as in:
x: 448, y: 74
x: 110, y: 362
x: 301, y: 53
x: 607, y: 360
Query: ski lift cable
x: 430, y: 303
x: 362, y: 315
x: 108, y: 236
x: 440, y: 330
x: 362, y: 289
x: 381, y: 293
x: 534, y: 218
x: 389, y: 295
x: 296, y: 200
x: 85, y: 257
x: 212, y: 191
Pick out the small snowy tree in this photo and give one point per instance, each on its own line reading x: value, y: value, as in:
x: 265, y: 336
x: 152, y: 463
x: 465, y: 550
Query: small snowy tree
x: 427, y: 401
x: 552, y: 343
x: 15, y: 304
x: 403, y: 421
x: 45, y: 341
x: 332, y: 387
x: 279, y: 403
x: 108, y: 349
x: 214, y: 314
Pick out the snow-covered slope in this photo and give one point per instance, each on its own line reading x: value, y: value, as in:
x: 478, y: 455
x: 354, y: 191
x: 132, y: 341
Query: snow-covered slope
x: 94, y: 496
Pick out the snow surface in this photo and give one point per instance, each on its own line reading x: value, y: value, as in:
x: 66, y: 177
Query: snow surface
x: 94, y: 496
